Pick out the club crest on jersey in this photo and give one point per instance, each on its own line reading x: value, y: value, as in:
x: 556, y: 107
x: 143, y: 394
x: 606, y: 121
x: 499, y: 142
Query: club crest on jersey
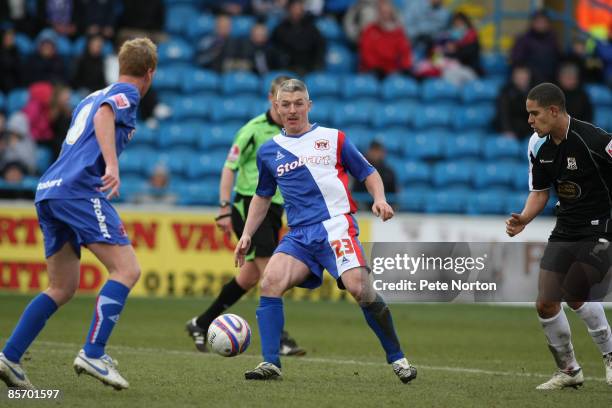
x: 121, y: 101
x: 609, y: 148
x: 233, y: 153
x: 302, y: 161
x: 321, y: 144
x: 571, y: 163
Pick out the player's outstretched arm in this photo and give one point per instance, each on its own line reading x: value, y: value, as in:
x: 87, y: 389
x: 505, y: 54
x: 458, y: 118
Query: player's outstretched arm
x: 224, y: 222
x: 375, y: 187
x: 257, y: 212
x: 104, y: 125
x: 536, y: 201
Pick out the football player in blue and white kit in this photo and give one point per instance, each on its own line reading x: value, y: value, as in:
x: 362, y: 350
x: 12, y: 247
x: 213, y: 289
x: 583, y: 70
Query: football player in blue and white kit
x: 72, y: 203
x: 309, y: 164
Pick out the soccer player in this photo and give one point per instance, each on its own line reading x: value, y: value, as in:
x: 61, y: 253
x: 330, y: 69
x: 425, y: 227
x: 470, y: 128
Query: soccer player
x: 309, y: 165
x: 574, y: 157
x: 73, y: 211
x: 241, y: 157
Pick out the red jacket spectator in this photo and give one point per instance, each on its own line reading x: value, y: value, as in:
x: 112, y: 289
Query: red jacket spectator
x: 383, y: 45
x: 37, y: 111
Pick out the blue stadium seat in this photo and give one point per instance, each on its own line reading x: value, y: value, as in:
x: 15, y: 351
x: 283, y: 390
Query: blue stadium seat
x: 603, y: 118
x: 600, y: 95
x: 230, y: 108
x: 393, y: 138
x: 322, y: 84
x: 134, y: 161
x: 24, y: 44
x: 396, y: 87
x: 520, y: 177
x: 175, y: 50
x: 144, y: 136
x: 2, y: 101
x: 191, y: 107
x: 339, y: 59
x: 175, y: 160
x: 515, y: 202
x: 360, y: 136
x: 330, y: 29
x: 183, y: 133
x: 494, y: 64
x: 202, y: 165
x: 63, y: 46
x: 266, y: 80
x: 450, y: 201
x: 463, y: 145
x: 424, y: 146
x: 393, y: 114
x: 44, y: 158
x: 322, y: 110
x: 360, y: 86
x: 240, y: 82
x: 16, y: 100
x: 78, y: 47
x: 413, y: 199
x: 217, y: 136
x: 168, y: 77
x: 494, y: 174
x: 437, y: 116
x: 439, y: 90
x: 453, y: 173
x: 353, y: 113
x: 412, y: 172
x: 201, y: 192
x: 200, y: 26
x: 241, y: 25
x: 474, y: 116
x: 500, y: 147
x: 179, y: 17
x: 197, y: 80
x: 480, y: 90
x: 488, y: 202
x: 259, y: 106
x: 131, y: 186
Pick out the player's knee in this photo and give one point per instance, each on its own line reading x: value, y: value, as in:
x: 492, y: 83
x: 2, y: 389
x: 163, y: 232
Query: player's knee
x: 273, y: 284
x: 128, y: 275
x: 547, y: 309
x: 61, y: 295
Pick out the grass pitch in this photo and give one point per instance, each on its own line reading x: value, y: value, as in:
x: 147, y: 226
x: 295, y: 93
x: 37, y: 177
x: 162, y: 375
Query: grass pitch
x: 467, y: 356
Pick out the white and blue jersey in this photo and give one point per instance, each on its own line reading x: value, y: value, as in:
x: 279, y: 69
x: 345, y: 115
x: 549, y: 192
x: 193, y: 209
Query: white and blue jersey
x: 69, y: 204
x: 311, y: 172
x: 78, y: 170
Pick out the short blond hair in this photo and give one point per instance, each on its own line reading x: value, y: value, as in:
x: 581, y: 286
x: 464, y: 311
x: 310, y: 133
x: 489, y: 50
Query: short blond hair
x: 137, y: 57
x: 292, y: 85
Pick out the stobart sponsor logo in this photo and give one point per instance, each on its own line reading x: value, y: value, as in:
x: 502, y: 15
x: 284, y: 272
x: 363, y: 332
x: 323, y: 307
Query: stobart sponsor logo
x: 49, y: 184
x: 302, y: 161
x: 97, y: 206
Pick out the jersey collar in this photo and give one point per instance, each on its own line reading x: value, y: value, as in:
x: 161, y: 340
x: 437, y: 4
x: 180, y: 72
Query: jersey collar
x: 312, y: 127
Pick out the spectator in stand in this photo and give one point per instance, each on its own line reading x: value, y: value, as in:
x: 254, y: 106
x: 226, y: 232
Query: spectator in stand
x: 299, y: 42
x: 603, y: 50
x: 11, y: 67
x: 463, y: 45
x: 89, y: 73
x: 59, y: 14
x: 60, y: 114
x: 37, y: 112
x: 157, y: 190
x: 269, y: 8
x: 538, y: 49
x: 230, y: 7
x: 142, y: 18
x: 376, y: 156
x: 511, y: 114
x: 383, y: 47
x: 577, y: 102
x: 424, y: 20
x: 211, y: 50
x: 16, y: 146
x: 46, y: 64
x: 17, y: 13
x: 97, y: 17
x: 251, y: 54
x: 358, y: 17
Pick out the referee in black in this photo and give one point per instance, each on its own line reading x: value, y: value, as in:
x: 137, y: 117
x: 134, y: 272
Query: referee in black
x: 574, y: 158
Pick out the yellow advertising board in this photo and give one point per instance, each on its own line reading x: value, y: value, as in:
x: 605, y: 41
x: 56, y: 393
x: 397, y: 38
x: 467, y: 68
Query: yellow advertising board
x: 181, y: 253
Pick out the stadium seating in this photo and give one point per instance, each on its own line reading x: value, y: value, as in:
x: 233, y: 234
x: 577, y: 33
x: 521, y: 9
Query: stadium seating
x: 322, y: 84
x: 16, y: 100
x: 198, y: 80
x: 360, y: 86
x: 438, y: 90
x: 240, y: 82
x: 339, y: 59
x: 396, y: 87
x: 393, y: 114
x: 453, y: 173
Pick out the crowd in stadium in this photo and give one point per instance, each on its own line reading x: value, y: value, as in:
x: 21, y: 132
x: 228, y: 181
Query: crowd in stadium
x: 423, y: 95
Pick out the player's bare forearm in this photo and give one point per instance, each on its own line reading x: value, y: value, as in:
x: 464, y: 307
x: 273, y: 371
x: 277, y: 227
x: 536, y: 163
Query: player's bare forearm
x: 257, y: 212
x: 536, y: 201
x: 104, y: 125
x: 226, y: 184
x: 375, y: 187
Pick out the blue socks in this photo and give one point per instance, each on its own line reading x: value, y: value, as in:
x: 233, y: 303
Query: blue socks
x: 109, y: 305
x: 271, y: 319
x: 379, y: 319
x: 29, y: 326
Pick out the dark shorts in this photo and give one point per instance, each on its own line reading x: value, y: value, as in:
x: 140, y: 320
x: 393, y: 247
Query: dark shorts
x: 79, y: 222
x: 265, y: 239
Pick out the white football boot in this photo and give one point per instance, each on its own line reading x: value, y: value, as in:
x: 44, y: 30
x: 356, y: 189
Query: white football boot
x: 562, y: 379
x: 103, y: 368
x: 13, y: 375
x: 264, y: 371
x: 608, y: 364
x: 404, y: 370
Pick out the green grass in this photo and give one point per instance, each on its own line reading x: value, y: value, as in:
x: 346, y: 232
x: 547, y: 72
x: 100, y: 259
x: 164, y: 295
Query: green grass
x: 467, y: 355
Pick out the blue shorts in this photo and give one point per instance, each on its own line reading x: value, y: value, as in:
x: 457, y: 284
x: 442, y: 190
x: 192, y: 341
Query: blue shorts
x: 331, y: 245
x: 80, y: 222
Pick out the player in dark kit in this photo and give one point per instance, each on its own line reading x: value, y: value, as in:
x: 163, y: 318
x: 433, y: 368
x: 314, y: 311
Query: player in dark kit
x: 575, y: 158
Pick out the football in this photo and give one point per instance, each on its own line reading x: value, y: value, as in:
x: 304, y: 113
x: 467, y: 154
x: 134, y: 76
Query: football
x: 229, y: 335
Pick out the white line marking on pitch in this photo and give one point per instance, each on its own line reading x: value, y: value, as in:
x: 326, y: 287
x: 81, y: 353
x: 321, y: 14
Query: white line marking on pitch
x: 147, y: 350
